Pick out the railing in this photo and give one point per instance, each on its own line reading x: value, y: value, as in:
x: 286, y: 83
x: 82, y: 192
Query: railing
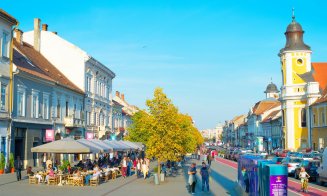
x: 70, y: 121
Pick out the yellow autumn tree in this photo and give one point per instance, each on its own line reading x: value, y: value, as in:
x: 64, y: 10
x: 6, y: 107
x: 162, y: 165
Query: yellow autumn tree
x: 166, y: 133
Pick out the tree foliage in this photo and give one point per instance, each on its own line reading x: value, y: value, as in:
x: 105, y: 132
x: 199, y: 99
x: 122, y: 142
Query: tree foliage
x: 166, y: 132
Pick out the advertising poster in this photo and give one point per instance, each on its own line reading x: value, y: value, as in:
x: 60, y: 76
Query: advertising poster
x: 278, y: 185
x: 49, y: 135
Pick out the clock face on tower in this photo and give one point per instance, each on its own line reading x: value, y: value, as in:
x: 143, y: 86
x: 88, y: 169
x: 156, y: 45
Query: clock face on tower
x: 299, y: 61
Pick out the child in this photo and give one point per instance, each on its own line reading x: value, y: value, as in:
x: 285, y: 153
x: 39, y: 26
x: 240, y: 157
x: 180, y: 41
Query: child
x: 304, y: 179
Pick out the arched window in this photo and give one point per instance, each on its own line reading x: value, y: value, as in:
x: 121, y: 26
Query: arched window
x: 303, y: 117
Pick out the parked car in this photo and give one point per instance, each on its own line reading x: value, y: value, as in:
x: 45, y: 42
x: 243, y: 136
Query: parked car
x: 229, y: 153
x: 284, y: 153
x: 242, y: 152
x: 322, y: 170
x: 291, y: 154
x: 306, y: 156
x: 277, y: 152
x: 292, y: 163
x: 264, y: 153
x: 311, y: 167
x: 277, y: 160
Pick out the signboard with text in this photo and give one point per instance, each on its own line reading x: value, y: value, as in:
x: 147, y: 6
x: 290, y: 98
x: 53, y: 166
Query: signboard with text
x: 278, y: 185
x: 49, y: 135
x: 89, y: 136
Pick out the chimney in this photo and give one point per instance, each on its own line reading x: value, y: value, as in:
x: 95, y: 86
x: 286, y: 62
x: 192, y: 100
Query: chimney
x: 55, y: 32
x: 19, y: 36
x: 123, y: 97
x: 117, y: 94
x: 37, y: 34
x: 44, y: 27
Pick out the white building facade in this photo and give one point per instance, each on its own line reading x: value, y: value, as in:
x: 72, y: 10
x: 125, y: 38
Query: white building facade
x: 87, y: 73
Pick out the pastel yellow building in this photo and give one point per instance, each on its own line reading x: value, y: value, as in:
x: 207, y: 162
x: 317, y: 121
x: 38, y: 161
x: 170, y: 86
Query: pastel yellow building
x: 299, y: 89
x: 319, y: 120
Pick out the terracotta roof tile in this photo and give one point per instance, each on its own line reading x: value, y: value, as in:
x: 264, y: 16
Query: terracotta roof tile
x: 265, y: 105
x: 39, y: 66
x: 320, y: 74
x: 272, y: 116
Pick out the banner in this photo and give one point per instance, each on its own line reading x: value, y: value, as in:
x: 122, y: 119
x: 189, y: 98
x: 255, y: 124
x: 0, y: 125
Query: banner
x: 89, y: 136
x: 49, y: 135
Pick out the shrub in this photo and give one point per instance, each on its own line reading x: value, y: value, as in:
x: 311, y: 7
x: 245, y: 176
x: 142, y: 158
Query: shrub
x: 11, y: 160
x: 2, y: 161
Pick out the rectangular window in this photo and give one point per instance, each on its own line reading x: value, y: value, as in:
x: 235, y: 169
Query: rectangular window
x: 3, y: 97
x: 66, y: 108
x: 58, y: 110
x: 45, y: 106
x: 323, y: 119
x: 35, y: 105
x: 4, y: 45
x: 21, y: 103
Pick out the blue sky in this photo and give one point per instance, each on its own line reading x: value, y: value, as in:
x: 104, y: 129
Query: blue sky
x: 214, y: 59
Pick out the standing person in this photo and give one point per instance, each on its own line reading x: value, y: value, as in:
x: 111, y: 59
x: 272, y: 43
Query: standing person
x: 192, y: 177
x: 18, y: 166
x: 199, y: 153
x: 205, y: 176
x: 44, y: 161
x: 138, y: 167
x: 145, y: 169
x: 124, y: 167
x: 209, y: 159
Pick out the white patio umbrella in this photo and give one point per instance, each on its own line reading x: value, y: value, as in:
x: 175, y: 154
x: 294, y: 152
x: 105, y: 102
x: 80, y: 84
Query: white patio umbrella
x: 102, y: 144
x: 95, y: 148
x: 63, y: 146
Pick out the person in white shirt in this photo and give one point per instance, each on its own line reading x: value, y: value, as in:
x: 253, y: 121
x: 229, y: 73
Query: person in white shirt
x: 145, y: 169
x: 124, y: 167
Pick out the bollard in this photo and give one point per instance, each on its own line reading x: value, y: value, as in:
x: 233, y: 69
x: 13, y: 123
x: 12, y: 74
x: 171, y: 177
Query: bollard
x: 156, y: 180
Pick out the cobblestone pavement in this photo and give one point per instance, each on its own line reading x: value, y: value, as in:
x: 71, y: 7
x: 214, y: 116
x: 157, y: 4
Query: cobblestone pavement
x: 222, y: 182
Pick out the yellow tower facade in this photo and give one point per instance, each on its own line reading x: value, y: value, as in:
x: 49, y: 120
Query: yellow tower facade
x: 295, y: 62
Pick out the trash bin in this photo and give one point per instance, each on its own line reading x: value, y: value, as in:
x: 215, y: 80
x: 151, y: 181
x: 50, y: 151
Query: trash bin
x: 156, y: 180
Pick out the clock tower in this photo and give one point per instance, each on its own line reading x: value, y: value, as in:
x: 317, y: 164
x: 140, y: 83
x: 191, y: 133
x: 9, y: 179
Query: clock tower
x: 295, y: 60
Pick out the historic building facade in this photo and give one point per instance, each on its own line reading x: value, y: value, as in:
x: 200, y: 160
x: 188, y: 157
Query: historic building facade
x: 300, y: 88
x: 6, y: 24
x: 45, y: 102
x: 87, y: 73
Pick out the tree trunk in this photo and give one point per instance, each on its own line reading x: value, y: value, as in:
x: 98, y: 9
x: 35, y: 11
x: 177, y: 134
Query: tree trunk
x: 159, y: 170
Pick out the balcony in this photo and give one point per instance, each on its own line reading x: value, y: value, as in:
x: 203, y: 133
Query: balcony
x: 293, y: 91
x: 71, y: 121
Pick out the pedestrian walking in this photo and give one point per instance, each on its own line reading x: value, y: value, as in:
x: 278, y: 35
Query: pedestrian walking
x: 18, y: 166
x: 124, y: 167
x: 139, y: 167
x: 205, y: 176
x: 145, y: 169
x: 209, y: 159
x: 192, y: 177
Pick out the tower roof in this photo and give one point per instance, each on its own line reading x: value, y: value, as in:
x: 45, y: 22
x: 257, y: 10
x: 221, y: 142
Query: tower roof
x: 294, y: 37
x: 272, y: 88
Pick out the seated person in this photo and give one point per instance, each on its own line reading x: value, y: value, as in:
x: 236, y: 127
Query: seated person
x: 29, y: 171
x: 95, y: 175
x: 38, y: 176
x: 77, y: 175
x: 50, y: 173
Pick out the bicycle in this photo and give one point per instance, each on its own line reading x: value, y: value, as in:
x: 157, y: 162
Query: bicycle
x: 304, y: 185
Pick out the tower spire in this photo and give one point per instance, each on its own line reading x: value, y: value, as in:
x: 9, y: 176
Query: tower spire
x: 293, y: 15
